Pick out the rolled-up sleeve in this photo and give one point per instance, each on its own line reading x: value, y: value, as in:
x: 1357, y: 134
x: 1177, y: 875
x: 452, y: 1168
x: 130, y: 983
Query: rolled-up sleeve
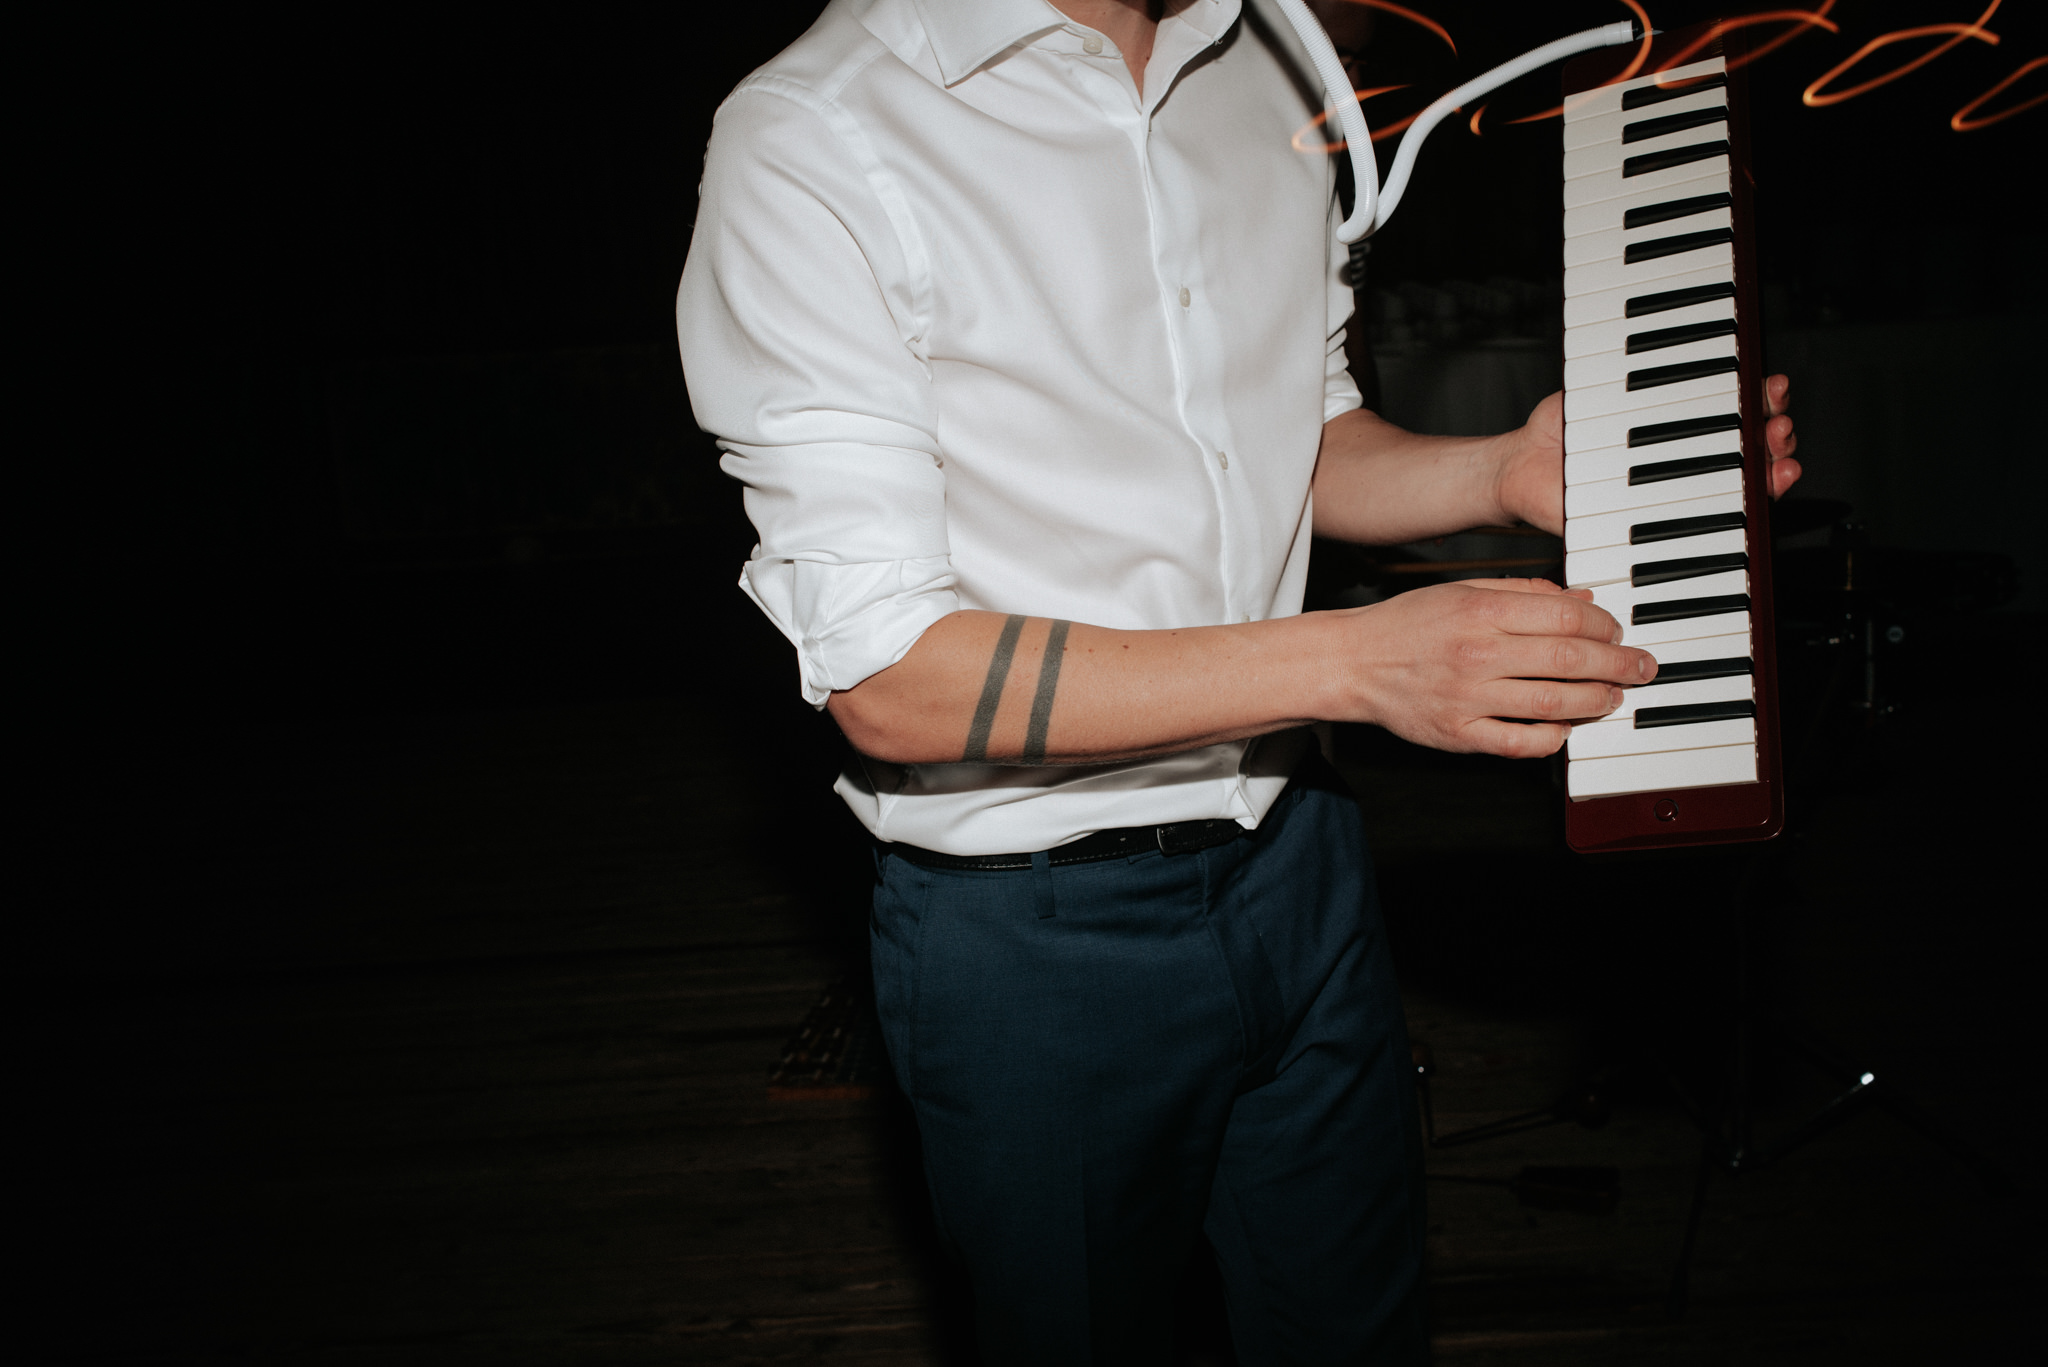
x: 800, y: 319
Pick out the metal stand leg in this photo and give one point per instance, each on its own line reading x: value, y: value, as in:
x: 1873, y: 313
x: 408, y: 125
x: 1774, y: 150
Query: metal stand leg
x: 1681, y: 1275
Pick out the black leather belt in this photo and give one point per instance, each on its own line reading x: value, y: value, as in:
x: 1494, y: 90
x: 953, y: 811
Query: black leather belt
x: 1182, y: 837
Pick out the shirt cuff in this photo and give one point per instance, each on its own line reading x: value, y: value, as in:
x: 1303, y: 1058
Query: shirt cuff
x: 848, y: 622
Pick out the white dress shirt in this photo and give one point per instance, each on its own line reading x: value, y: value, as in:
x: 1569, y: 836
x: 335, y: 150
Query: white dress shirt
x: 978, y: 326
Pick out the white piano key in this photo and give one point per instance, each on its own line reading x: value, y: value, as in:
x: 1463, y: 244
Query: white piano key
x: 1612, y: 334
x: 1614, y: 462
x: 1612, y: 429
x: 1595, y: 277
x: 1727, y: 688
x: 1619, y: 599
x: 1605, y: 368
x: 1600, y: 215
x: 1687, y: 629
x: 1613, y: 242
x: 1591, y: 189
x: 1612, y: 529
x: 1584, y: 372
x: 1613, y: 303
x: 1606, y: 99
x: 1605, y: 739
x: 1582, y: 569
x: 1588, y: 130
x: 1604, y: 400
x: 1665, y: 771
x: 1614, y: 495
x: 1732, y: 645
x: 1610, y: 158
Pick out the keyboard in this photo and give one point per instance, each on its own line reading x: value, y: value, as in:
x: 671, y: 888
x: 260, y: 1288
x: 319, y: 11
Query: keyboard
x: 1666, y: 509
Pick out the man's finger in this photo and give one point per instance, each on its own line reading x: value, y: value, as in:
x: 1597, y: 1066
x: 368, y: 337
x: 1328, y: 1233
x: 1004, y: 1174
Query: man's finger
x: 1573, y: 657
x: 1777, y: 394
x: 1779, y: 436
x: 1548, y: 699
x: 1515, y: 740
x: 1785, y: 473
x: 1555, y: 614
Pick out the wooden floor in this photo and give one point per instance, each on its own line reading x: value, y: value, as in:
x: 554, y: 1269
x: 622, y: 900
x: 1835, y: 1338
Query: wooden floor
x: 446, y: 1041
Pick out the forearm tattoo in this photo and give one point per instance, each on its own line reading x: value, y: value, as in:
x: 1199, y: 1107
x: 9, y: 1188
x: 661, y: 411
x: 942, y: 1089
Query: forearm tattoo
x: 1048, y: 684
x: 992, y: 690
x: 982, y: 728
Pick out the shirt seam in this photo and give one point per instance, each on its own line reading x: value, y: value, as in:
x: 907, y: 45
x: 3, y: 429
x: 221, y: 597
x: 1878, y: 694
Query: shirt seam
x: 881, y: 184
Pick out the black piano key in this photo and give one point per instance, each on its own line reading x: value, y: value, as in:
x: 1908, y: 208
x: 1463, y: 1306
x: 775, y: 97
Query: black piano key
x: 1692, y: 713
x: 1657, y: 94
x: 1644, y: 215
x: 1650, y: 433
x: 1671, y: 529
x: 1651, y: 376
x: 1672, y: 246
x: 1643, y: 129
x: 1645, y: 162
x: 1691, y: 671
x: 1678, y: 299
x: 1659, y: 471
x: 1691, y: 567
x: 1681, y: 609
x: 1679, y: 336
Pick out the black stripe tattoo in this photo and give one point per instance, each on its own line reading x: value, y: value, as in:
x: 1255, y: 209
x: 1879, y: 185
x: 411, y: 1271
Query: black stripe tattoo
x: 992, y: 690
x: 1048, y: 683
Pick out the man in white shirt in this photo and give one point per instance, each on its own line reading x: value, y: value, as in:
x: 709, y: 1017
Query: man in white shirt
x: 1021, y: 324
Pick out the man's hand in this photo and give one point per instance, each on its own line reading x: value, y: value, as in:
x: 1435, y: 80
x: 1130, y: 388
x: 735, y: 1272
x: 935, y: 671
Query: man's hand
x: 1532, y: 459
x: 1442, y: 666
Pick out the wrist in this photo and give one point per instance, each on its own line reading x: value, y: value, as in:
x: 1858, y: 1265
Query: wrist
x: 1331, y: 684
x: 1509, y: 455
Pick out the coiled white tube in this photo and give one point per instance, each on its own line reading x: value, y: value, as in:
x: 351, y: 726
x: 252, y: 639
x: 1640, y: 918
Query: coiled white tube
x: 1372, y: 205
x: 1365, y: 170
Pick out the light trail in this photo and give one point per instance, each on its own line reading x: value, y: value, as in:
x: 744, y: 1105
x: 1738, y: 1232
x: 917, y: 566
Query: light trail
x: 1801, y: 20
x: 1963, y: 123
x: 1412, y: 17
x: 1812, y: 97
x: 1340, y: 145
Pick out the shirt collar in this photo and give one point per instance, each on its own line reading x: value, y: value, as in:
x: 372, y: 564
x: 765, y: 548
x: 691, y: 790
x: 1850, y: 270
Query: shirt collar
x: 966, y: 33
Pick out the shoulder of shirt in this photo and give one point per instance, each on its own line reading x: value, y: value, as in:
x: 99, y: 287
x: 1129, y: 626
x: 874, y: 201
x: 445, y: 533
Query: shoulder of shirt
x: 852, y: 40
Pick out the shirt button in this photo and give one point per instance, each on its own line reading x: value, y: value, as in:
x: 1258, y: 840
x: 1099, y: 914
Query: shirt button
x: 1092, y: 46
x: 1223, y: 459
x: 1185, y: 297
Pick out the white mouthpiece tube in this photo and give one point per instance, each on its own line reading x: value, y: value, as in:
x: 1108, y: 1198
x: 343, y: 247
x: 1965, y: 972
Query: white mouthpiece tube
x: 1607, y: 35
x: 1365, y: 170
x: 1373, y: 206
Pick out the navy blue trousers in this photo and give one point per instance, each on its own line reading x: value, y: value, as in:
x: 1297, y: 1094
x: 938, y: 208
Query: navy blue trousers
x: 1106, y: 1059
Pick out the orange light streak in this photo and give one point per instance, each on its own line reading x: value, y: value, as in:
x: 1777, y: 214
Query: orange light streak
x: 1412, y: 17
x: 1813, y: 99
x: 1802, y: 20
x: 1963, y: 123
x: 1338, y: 146
x: 1642, y: 55
x: 1474, y: 125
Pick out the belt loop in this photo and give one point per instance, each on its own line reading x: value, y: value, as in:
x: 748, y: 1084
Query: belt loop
x: 1041, y: 884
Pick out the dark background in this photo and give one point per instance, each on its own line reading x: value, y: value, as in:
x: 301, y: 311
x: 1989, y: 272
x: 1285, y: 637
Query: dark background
x: 407, y: 445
